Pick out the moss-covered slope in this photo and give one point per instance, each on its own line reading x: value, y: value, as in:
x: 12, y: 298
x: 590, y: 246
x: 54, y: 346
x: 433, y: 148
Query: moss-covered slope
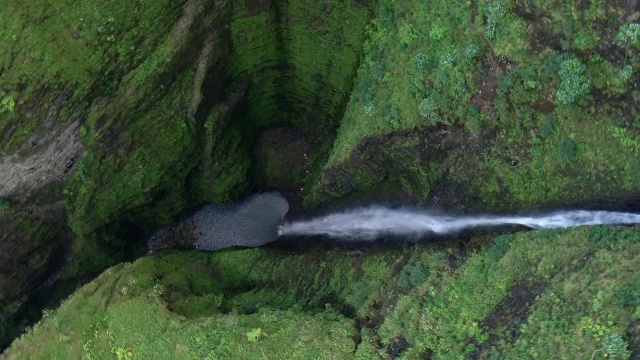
x: 546, y: 294
x: 493, y: 104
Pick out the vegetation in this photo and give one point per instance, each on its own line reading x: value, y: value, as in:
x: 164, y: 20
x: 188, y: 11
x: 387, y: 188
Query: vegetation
x: 543, y: 294
x: 485, y: 83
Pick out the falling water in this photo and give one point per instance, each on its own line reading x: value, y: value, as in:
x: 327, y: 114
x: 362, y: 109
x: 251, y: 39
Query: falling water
x: 373, y: 222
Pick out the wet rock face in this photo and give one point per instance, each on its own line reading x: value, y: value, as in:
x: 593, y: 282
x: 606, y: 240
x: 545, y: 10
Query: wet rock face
x: 282, y: 163
x: 248, y: 223
x: 20, y: 177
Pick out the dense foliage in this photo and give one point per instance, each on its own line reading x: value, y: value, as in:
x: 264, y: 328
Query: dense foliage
x: 536, y: 98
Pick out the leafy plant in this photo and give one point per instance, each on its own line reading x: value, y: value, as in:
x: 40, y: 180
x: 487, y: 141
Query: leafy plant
x: 428, y: 110
x: 629, y: 34
x: 626, y: 72
x: 7, y: 104
x: 573, y: 83
x: 157, y: 291
x: 408, y: 34
x: 393, y: 116
x: 446, y: 60
x: 613, y: 347
x: 369, y: 108
x: 268, y: 318
x: 122, y: 353
x: 626, y: 138
x: 254, y: 335
x: 472, y: 51
x: 412, y: 275
x: 495, y: 11
x: 629, y: 293
x: 421, y: 61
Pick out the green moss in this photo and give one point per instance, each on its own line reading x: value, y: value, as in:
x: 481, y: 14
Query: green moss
x: 323, y: 42
x: 89, y: 48
x: 256, y: 57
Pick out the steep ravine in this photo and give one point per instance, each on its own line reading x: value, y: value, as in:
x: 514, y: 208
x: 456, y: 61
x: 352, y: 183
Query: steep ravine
x: 119, y: 118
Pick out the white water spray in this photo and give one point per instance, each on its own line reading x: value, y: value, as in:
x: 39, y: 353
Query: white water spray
x: 374, y: 222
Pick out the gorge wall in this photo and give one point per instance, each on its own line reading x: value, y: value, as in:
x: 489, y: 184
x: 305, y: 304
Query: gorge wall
x: 117, y: 118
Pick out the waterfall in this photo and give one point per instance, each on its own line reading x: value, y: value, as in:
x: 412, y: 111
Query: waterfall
x: 375, y: 221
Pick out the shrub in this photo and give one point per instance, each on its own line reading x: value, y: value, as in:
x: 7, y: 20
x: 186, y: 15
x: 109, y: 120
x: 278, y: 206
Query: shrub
x: 412, y: 275
x: 251, y: 306
x: 573, y: 83
x: 547, y: 128
x: 495, y: 11
x: 437, y: 32
x: 428, y: 110
x: 567, y: 149
x: 7, y: 104
x: 499, y: 247
x: 629, y: 293
x: 408, y: 34
x: 473, y: 122
x: 629, y: 34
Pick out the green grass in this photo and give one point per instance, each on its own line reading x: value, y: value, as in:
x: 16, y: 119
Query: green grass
x: 540, y: 294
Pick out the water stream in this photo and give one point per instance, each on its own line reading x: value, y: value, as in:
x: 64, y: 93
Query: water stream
x: 373, y: 222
